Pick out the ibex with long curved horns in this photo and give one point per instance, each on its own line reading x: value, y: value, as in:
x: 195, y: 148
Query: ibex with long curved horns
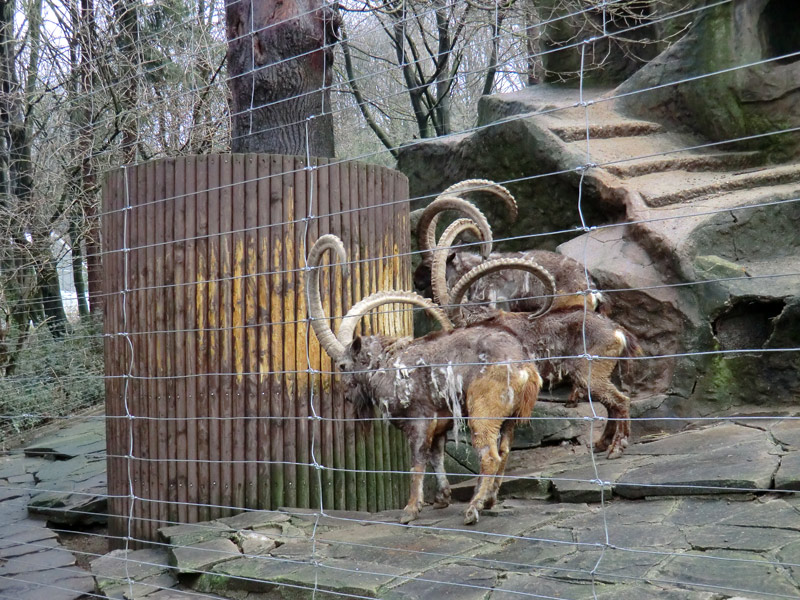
x: 425, y: 386
x: 558, y: 339
x: 572, y: 284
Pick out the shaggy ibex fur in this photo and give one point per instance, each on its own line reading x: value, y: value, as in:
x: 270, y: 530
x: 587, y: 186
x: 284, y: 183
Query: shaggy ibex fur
x: 560, y: 341
x: 424, y: 386
x: 572, y: 286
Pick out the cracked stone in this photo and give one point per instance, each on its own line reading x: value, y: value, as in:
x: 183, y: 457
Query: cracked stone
x: 84, y: 438
x: 203, y: 555
x: 259, y: 575
x: 26, y: 540
x: 254, y: 543
x: 787, y: 433
x: 582, y: 485
x: 737, y: 468
x: 84, y: 503
x: 140, y: 589
x: 346, y: 577
x: 53, y: 584
x: 744, y: 573
x: 52, y: 558
x: 411, y: 551
x: 454, y: 582
x: 728, y: 537
x: 119, y: 565
x: 788, y: 475
x: 516, y: 586
x: 542, y: 548
x: 186, y: 535
x: 254, y: 519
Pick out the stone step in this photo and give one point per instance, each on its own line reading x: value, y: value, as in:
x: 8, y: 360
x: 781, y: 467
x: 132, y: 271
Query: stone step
x: 634, y: 148
x: 573, y: 132
x: 680, y: 186
x: 686, y: 161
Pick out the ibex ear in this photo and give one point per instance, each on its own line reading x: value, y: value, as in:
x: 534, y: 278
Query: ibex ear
x: 355, y: 347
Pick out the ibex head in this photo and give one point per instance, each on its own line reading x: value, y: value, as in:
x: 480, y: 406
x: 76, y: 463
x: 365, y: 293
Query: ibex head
x: 340, y: 347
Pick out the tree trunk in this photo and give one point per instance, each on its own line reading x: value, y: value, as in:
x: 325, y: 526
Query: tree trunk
x: 280, y: 68
x: 86, y: 42
x: 127, y: 19
x: 50, y: 291
x: 77, y: 267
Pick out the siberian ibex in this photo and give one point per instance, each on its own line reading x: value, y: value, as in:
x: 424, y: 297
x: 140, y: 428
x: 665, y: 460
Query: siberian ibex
x: 559, y: 340
x: 425, y: 386
x: 514, y: 286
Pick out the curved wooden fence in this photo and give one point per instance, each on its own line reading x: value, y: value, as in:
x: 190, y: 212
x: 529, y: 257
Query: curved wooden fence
x: 208, y: 360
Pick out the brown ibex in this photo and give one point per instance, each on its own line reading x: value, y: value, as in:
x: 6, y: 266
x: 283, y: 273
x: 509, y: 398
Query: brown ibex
x: 425, y: 386
x: 572, y: 282
x: 561, y: 340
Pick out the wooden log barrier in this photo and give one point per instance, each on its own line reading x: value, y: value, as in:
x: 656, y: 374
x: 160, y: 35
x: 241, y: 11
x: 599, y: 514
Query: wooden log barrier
x: 213, y: 398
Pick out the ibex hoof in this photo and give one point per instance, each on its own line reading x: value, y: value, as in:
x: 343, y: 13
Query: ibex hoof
x: 471, y: 516
x: 616, y: 449
x: 442, y: 499
x: 408, y: 516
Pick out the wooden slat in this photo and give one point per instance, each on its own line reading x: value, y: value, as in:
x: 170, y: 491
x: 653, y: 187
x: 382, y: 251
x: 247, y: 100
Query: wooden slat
x: 225, y: 285
x: 150, y: 369
x: 289, y: 337
x: 324, y: 429
x: 301, y: 395
x: 250, y: 301
x: 237, y: 333
x: 214, y: 323
x: 265, y: 330
x: 193, y: 402
x: 203, y: 352
x: 136, y: 325
x: 179, y: 338
x: 168, y: 404
x: 276, y: 293
x: 160, y: 398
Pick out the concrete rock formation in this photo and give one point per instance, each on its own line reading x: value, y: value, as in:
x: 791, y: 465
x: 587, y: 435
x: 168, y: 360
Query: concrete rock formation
x: 696, y: 242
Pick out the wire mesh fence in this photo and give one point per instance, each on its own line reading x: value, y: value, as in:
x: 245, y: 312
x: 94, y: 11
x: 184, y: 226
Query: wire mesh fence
x: 192, y: 404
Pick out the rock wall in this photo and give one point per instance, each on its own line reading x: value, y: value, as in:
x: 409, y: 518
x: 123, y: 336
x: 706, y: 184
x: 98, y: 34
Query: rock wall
x: 760, y: 98
x: 698, y: 249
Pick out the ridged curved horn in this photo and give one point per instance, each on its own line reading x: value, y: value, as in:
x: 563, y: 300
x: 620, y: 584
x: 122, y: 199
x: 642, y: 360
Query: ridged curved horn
x: 319, y: 322
x: 373, y: 301
x: 441, y: 294
x: 426, y: 228
x: 502, y: 264
x: 485, y: 185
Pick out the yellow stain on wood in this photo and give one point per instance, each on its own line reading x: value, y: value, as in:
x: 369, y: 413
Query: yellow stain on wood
x: 263, y: 309
x: 251, y: 308
x: 291, y: 287
x: 276, y: 310
x: 238, y: 305
x: 200, y: 303
x: 213, y: 307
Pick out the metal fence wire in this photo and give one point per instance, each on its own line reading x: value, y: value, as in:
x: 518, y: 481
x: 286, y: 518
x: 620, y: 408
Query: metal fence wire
x: 174, y: 427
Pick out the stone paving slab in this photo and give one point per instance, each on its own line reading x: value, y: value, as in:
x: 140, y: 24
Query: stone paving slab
x: 120, y: 565
x: 741, y: 543
x: 53, y: 584
x: 76, y: 440
x: 202, y: 556
x: 474, y: 583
